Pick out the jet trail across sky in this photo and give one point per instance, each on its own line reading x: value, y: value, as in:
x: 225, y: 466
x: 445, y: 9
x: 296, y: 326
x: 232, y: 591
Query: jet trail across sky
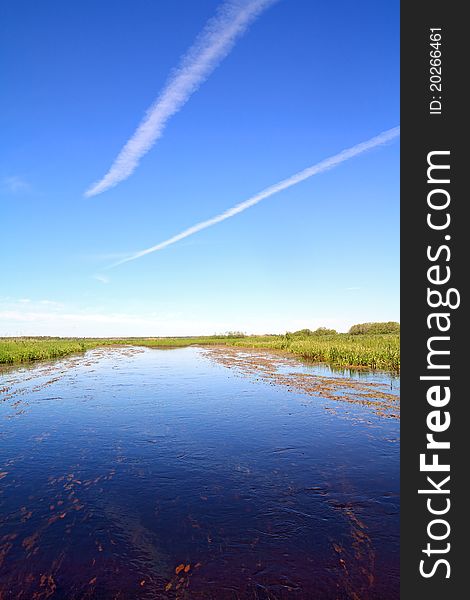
x: 324, y: 165
x: 211, y: 46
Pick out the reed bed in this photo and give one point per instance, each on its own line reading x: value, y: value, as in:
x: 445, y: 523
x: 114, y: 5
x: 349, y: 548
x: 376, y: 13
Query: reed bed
x: 374, y: 351
x: 21, y: 350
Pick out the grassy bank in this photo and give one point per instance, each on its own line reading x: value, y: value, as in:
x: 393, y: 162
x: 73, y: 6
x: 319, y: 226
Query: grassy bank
x: 22, y: 350
x: 376, y: 351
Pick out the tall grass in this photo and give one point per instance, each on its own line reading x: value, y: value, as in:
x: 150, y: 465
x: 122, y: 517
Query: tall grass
x: 14, y: 350
x: 373, y: 351
x: 378, y: 351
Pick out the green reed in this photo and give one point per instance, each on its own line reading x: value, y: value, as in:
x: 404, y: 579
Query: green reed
x: 379, y: 351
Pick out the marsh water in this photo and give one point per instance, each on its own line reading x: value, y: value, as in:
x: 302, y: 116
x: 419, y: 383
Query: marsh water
x: 197, y: 474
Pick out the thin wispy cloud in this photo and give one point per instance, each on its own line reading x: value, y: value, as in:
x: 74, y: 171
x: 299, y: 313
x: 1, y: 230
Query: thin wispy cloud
x: 92, y: 322
x: 324, y: 165
x: 51, y: 303
x: 95, y: 321
x: 102, y: 256
x: 101, y: 278
x: 15, y: 184
x: 211, y: 46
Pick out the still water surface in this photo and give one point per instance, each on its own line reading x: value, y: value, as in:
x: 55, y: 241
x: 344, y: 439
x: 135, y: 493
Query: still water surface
x: 141, y: 473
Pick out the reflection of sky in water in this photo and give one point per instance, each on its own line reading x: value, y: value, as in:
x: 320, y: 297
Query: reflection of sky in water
x: 154, y: 458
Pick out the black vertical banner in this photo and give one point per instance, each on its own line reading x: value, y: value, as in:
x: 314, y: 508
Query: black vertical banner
x: 434, y: 248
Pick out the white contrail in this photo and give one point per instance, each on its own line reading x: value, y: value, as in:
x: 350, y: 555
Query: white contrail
x: 212, y: 45
x: 320, y: 167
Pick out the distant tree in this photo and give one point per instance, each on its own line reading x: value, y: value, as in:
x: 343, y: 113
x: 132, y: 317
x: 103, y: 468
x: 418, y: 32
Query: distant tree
x: 324, y: 331
x: 375, y: 328
x: 309, y: 332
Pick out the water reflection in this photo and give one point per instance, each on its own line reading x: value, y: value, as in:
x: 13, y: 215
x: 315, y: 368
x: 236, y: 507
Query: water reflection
x: 136, y: 473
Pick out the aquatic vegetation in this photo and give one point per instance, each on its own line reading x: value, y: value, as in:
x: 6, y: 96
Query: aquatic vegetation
x: 375, y: 351
x: 25, y: 349
x: 315, y: 380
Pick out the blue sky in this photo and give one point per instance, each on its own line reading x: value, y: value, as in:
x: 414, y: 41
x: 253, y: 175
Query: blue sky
x: 305, y: 81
